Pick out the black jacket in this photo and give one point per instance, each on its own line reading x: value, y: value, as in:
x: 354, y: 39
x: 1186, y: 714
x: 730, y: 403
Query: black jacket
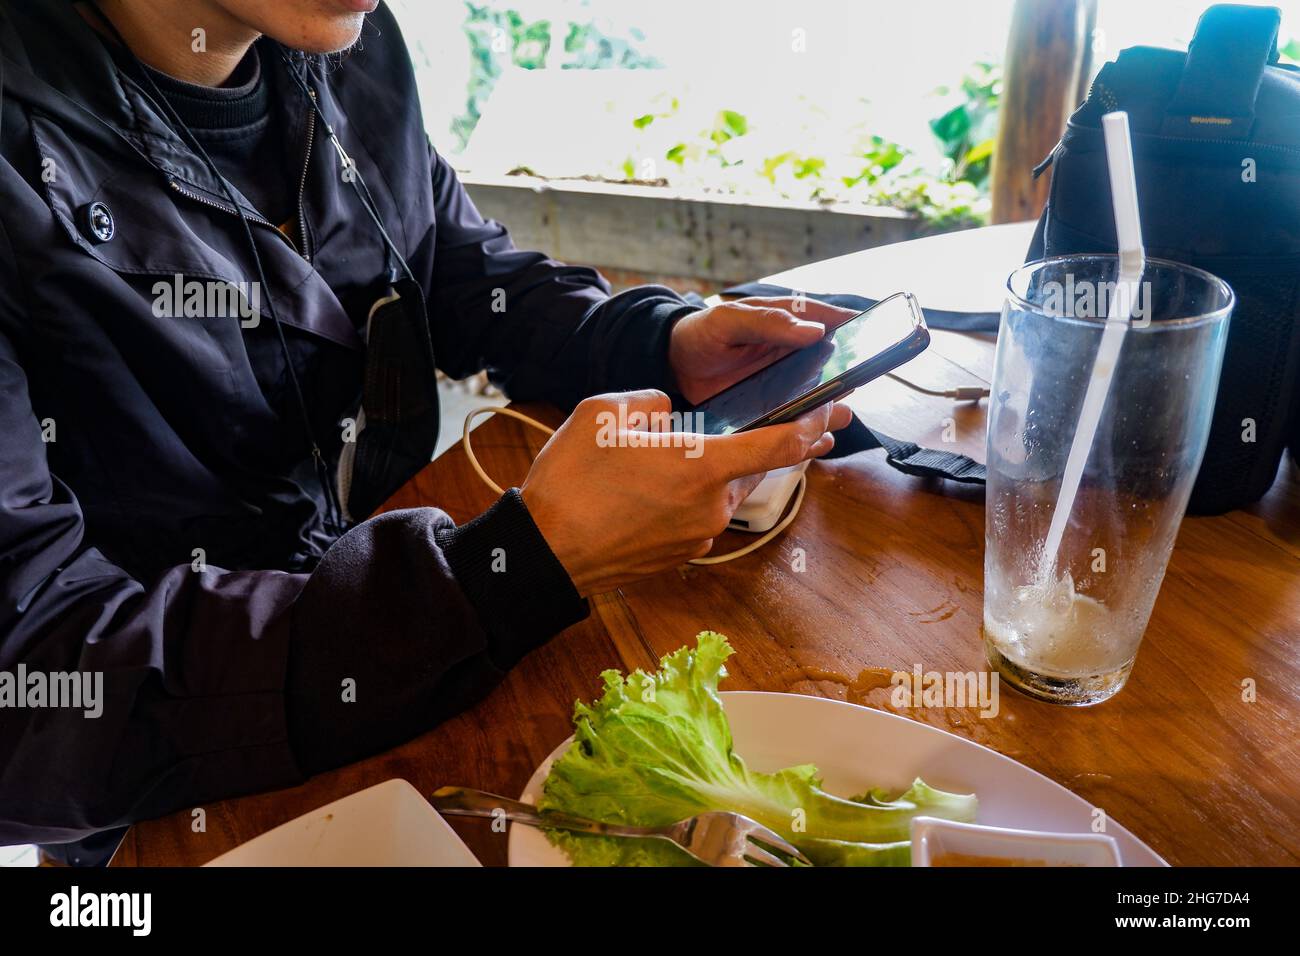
x: 160, y: 521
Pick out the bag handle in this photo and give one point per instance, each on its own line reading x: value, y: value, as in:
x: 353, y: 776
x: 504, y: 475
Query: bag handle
x: 1225, y: 64
x: 905, y: 456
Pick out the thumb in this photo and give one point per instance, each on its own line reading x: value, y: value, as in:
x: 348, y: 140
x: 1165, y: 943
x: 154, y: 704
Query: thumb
x: 771, y: 447
x: 768, y: 325
x: 806, y: 308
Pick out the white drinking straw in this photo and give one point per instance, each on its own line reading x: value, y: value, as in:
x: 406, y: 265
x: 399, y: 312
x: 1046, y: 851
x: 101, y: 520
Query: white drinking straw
x: 1132, y: 263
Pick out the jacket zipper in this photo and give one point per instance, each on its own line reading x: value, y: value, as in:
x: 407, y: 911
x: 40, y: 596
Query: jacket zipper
x: 302, y: 183
x: 305, y: 250
x: 176, y: 186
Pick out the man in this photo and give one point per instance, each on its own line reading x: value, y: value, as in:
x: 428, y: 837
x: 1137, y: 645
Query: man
x: 169, y: 508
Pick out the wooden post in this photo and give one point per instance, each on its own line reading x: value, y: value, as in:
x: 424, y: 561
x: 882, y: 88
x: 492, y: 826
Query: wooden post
x: 1047, y: 53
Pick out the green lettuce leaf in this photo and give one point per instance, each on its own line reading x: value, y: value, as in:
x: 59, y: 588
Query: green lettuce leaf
x: 657, y: 748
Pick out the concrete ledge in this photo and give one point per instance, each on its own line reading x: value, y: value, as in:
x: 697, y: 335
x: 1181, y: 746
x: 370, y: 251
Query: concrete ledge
x: 692, y: 240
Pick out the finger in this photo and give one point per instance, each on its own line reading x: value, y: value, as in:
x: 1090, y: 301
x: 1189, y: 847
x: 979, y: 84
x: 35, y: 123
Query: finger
x: 814, y: 310
x: 768, y: 448
x: 647, y: 409
x: 816, y: 420
x: 764, y: 325
x: 840, y: 417
x: 641, y: 400
x: 822, y: 446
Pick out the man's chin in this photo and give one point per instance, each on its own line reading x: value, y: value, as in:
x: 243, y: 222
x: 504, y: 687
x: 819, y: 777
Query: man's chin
x: 334, y: 36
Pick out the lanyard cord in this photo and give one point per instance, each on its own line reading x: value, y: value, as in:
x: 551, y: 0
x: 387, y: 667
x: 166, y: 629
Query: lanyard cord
x: 351, y: 173
x: 334, y: 515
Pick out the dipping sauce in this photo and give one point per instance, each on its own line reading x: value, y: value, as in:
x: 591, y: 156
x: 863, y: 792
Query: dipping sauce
x: 971, y: 859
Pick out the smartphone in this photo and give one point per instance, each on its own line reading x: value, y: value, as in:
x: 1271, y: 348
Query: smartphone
x: 860, y: 349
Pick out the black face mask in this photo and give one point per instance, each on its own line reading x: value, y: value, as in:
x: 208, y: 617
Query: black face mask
x: 397, y: 425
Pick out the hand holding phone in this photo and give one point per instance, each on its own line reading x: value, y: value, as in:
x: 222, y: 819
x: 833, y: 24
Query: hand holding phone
x: 860, y: 349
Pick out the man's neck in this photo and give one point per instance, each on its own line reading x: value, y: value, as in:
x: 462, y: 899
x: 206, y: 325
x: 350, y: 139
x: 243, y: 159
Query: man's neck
x: 192, y: 40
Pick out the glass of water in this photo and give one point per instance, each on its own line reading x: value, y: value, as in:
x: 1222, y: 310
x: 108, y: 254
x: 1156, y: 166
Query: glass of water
x: 1066, y: 627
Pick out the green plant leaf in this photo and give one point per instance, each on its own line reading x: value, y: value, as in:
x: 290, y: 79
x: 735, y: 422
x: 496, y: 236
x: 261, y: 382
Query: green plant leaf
x: 808, y: 166
x: 952, y: 126
x: 980, y: 152
x: 772, y: 163
x: 735, y: 123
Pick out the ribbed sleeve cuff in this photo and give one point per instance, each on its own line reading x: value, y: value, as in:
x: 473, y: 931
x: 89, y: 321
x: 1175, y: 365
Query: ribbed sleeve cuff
x: 517, y: 585
x: 637, y: 355
x: 656, y: 333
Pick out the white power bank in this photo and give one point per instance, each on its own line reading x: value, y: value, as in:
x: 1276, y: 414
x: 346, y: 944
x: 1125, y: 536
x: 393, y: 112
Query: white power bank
x: 766, y: 503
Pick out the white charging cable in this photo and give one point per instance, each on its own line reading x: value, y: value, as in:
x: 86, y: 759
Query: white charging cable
x: 962, y: 393
x: 534, y: 423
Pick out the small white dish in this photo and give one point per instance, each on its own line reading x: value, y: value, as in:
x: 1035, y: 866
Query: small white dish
x: 971, y: 844
x: 388, y: 824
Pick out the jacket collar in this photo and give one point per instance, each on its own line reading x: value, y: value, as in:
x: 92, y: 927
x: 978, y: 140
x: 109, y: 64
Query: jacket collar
x: 60, y: 51
x: 59, y: 67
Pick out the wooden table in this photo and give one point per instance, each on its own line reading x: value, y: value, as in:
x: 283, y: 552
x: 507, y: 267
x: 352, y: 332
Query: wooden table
x: 894, y: 578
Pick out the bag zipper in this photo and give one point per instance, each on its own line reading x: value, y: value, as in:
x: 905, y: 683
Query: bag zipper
x: 1111, y: 103
x: 1047, y: 161
x: 1095, y: 89
x: 1102, y: 92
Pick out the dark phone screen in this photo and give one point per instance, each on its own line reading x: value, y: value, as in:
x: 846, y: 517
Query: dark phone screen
x: 861, y: 338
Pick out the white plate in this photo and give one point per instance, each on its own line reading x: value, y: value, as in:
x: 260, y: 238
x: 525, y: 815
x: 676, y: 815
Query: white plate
x: 388, y: 824
x: 857, y: 748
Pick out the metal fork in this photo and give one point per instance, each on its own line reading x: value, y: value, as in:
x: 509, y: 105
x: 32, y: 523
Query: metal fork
x: 716, y: 838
